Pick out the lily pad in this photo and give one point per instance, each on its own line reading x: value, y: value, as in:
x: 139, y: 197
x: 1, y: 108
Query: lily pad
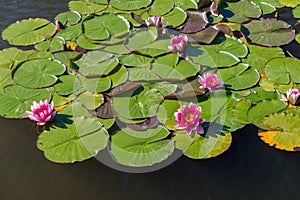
x: 160, y: 7
x: 240, y: 111
x: 286, y: 134
x: 208, y: 146
x: 97, y: 84
x: 16, y: 100
x: 289, y: 3
x: 54, y: 45
x: 166, y: 112
x: 141, y: 103
x: 239, y: 77
x: 240, y: 11
x: 269, y: 32
x: 186, y: 4
x: 85, y: 7
x: 176, y: 17
x: 66, y: 85
x: 130, y: 4
x: 141, y: 148
x: 264, y: 108
x: 268, y: 6
x: 258, y: 55
x: 38, y: 73
x: 68, y: 18
x: 81, y: 140
x: 5, y: 78
x: 223, y: 54
x: 283, y: 70
x: 28, y: 32
x: 90, y: 101
x: 196, y: 22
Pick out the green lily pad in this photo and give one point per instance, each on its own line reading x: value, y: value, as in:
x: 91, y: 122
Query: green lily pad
x: 96, y: 63
x: 141, y: 103
x: 239, y: 77
x: 258, y: 94
x: 68, y: 18
x: 166, y: 111
x: 130, y: 4
x: 283, y: 70
x: 134, y: 60
x: 240, y: 11
x: 258, y: 56
x: 28, y: 32
x: 264, y: 108
x: 71, y: 32
x: 75, y: 109
x: 269, y: 32
x: 97, y: 84
x: 16, y: 100
x: 118, y: 76
x: 90, y: 101
x: 141, y: 148
x: 223, y: 54
x: 54, y: 45
x: 296, y: 12
x: 286, y: 137
x: 5, y: 78
x: 289, y: 3
x: 66, y: 85
x: 176, y: 17
x: 85, y: 7
x: 100, y: 28
x: 268, y: 6
x: 81, y: 140
x: 208, y: 146
x: 240, y: 111
x: 186, y: 4
x: 38, y: 73
x: 160, y: 7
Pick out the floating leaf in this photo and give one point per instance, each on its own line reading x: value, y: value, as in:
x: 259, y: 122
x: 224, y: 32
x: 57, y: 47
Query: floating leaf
x: 195, y: 22
x: 75, y: 109
x: 118, y: 76
x: 16, y: 100
x: 54, y: 45
x: 286, y: 134
x: 141, y: 148
x: 240, y: 11
x: 160, y: 7
x: 90, y: 101
x: 269, y: 32
x: 38, y: 73
x: 240, y: 111
x: 166, y: 112
x: 28, y: 32
x: 5, y: 78
x: 85, y: 7
x: 225, y: 53
x: 296, y: 12
x: 96, y: 63
x: 264, y: 108
x: 205, y: 36
x: 130, y: 4
x: 267, y: 6
x: 289, y: 3
x: 81, y: 140
x: 176, y: 17
x: 239, y: 77
x: 141, y: 103
x: 68, y: 18
x: 208, y: 146
x: 97, y: 84
x: 71, y: 32
x: 186, y: 4
x: 134, y: 60
x: 283, y: 70
x: 258, y: 56
x: 66, y: 85
x: 258, y: 94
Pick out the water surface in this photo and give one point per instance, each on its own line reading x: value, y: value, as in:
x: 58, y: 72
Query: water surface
x: 249, y: 170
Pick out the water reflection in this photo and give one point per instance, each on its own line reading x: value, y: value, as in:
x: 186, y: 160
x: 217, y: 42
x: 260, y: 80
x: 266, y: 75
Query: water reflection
x: 249, y: 170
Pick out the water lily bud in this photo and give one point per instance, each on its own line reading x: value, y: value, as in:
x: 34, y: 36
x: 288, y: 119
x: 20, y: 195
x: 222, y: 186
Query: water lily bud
x: 210, y: 81
x: 188, y: 117
x: 293, y: 96
x: 156, y: 21
x: 41, y: 112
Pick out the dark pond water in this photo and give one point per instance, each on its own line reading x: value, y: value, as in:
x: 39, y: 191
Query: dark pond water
x: 249, y: 170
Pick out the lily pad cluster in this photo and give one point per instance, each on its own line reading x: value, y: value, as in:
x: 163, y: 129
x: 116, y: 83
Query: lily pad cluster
x: 115, y: 84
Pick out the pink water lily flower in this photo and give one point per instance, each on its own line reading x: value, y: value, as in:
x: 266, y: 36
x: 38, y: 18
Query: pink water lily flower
x: 210, y: 81
x: 293, y: 96
x: 179, y: 44
x: 188, y: 117
x: 41, y: 112
x: 156, y: 21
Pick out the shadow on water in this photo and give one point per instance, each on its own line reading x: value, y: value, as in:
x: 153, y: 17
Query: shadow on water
x: 248, y: 170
